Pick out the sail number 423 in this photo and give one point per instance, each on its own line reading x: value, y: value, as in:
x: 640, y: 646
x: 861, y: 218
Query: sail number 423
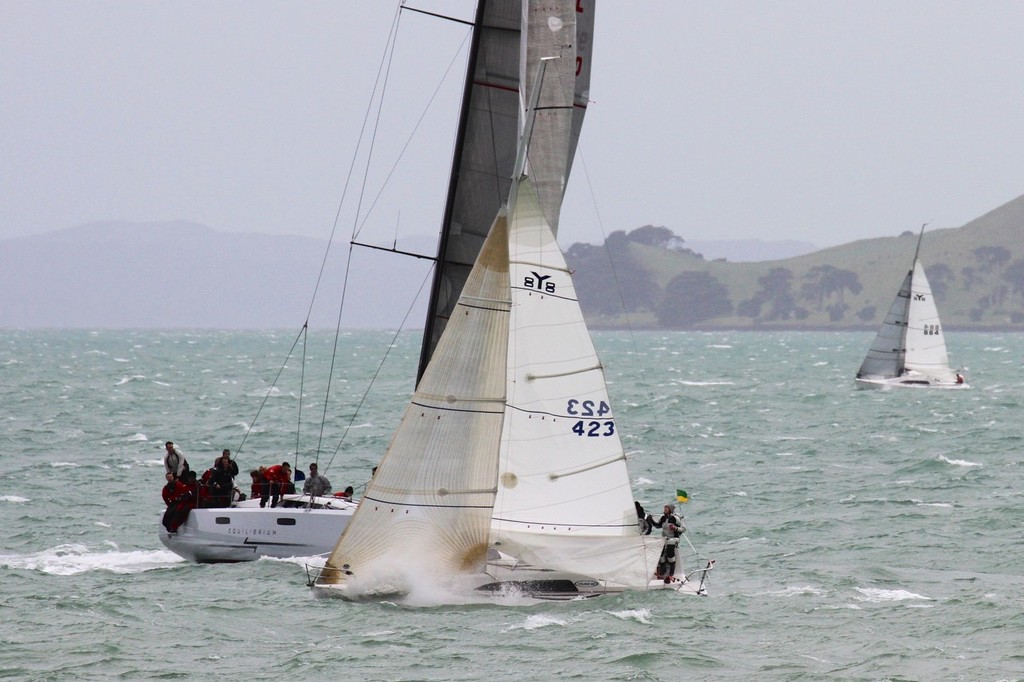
x: 589, y: 408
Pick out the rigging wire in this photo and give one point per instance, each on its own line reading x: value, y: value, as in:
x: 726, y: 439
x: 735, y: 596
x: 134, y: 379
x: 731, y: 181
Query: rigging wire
x: 302, y: 384
x: 385, y: 69
x: 388, y: 49
x: 359, y: 224
x: 377, y: 98
x: 303, y: 332
x: 380, y: 366
x: 412, y: 134
x: 238, y: 450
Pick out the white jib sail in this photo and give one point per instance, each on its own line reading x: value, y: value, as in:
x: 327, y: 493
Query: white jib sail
x: 925, y: 341
x: 564, y: 499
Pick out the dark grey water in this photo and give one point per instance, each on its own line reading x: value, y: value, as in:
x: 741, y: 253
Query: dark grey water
x: 858, y: 535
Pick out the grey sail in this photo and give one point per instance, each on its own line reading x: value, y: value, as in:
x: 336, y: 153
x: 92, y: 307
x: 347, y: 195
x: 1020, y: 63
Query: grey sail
x: 487, y: 136
x: 885, y: 356
x: 552, y: 32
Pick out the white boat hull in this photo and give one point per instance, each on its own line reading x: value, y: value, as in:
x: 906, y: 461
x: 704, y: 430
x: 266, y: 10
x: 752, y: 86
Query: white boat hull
x: 502, y: 578
x: 906, y: 382
x: 246, y: 532
x: 505, y: 577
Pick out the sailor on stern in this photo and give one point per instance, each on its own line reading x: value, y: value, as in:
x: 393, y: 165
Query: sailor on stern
x: 672, y: 528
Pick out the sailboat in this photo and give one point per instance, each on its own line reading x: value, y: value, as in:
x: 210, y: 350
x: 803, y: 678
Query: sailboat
x: 507, y: 474
x: 910, y: 347
x: 481, y: 177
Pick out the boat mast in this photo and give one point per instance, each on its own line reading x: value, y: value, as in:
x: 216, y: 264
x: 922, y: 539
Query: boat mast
x: 919, y: 238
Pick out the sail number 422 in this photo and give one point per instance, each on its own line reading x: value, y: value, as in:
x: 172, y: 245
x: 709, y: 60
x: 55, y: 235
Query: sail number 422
x: 589, y: 408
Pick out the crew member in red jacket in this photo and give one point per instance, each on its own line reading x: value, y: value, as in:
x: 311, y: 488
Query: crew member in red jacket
x: 280, y: 478
x: 176, y: 496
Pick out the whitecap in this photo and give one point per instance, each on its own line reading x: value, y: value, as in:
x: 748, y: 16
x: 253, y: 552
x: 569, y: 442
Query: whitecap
x: 935, y: 504
x: 794, y: 591
x: 639, y: 615
x: 127, y: 380
x: 313, y: 561
x: 959, y: 462
x: 878, y: 595
x: 707, y: 383
x: 724, y: 346
x: 138, y: 438
x: 13, y: 498
x: 537, y: 621
x: 121, y: 360
x: 75, y: 559
x: 63, y: 464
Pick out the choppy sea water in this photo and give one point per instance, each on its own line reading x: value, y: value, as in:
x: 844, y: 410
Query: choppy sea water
x: 858, y: 535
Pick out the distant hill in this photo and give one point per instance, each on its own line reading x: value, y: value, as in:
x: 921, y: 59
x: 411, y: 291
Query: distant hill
x: 750, y: 250
x: 976, y: 272
x: 185, y: 275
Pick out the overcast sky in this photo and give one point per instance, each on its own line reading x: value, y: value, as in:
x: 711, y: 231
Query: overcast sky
x: 811, y: 120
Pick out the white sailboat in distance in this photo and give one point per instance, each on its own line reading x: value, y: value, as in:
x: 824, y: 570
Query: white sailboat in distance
x: 909, y: 350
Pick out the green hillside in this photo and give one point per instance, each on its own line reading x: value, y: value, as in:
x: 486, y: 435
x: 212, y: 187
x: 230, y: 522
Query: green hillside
x: 976, y: 272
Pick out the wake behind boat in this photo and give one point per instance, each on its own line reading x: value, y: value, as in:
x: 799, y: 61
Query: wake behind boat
x: 909, y: 350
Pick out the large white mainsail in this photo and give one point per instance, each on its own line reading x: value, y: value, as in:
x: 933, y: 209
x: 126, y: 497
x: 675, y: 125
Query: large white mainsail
x: 910, y: 347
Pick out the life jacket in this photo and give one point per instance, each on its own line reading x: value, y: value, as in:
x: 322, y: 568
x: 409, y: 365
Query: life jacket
x: 671, y: 526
